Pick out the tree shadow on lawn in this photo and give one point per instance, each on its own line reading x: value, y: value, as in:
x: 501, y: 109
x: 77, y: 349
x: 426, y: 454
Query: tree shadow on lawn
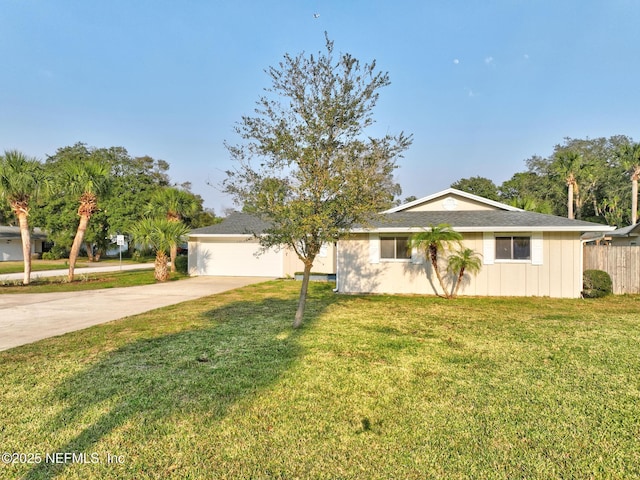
x: 244, y: 349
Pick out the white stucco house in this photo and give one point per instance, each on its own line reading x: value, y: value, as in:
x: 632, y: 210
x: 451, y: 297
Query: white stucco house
x: 523, y: 253
x: 11, y: 243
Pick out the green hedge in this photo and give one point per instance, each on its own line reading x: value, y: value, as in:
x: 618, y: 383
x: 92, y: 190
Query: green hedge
x: 182, y: 264
x: 596, y: 283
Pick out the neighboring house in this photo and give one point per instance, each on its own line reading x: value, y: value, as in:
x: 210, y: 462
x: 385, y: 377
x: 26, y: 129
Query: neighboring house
x: 11, y: 243
x: 523, y: 253
x: 230, y: 248
x: 627, y: 236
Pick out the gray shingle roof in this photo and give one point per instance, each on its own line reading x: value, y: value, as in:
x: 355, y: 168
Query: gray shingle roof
x: 631, y: 230
x: 480, y: 219
x: 237, y: 223
x: 14, y: 232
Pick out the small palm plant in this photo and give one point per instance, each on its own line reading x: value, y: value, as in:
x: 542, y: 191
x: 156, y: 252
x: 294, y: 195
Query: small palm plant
x: 161, y: 235
x: 434, y: 241
x: 464, y: 260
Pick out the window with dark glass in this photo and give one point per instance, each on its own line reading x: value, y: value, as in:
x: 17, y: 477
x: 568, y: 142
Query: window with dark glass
x: 395, y: 248
x: 513, y: 248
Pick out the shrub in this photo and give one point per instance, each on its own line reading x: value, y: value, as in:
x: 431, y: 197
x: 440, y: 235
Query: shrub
x: 596, y: 283
x: 56, y: 253
x: 182, y: 264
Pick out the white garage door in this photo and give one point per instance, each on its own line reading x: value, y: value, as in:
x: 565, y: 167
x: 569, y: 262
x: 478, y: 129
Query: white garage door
x: 237, y: 258
x: 11, y: 250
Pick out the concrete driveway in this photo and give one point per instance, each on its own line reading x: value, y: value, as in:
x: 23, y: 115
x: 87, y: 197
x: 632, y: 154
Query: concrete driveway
x: 26, y: 318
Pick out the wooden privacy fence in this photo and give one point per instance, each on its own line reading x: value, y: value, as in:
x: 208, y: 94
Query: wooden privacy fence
x: 622, y: 263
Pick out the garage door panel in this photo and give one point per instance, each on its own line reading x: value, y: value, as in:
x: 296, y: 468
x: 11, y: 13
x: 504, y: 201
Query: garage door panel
x: 238, y: 258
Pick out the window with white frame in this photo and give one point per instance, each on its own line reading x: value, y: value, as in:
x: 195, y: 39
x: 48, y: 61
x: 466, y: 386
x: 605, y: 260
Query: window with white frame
x: 395, y: 248
x: 513, y: 248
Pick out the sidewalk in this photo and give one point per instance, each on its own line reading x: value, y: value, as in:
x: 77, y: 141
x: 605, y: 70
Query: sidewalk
x: 78, y: 271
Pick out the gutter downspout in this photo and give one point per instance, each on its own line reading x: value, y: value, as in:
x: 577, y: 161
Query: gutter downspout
x: 337, y: 289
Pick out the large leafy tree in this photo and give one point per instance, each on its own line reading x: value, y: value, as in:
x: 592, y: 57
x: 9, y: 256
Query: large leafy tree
x: 133, y: 181
x: 434, y: 241
x: 481, y: 186
x: 597, y: 175
x: 306, y: 163
x: 161, y: 235
x: 20, y: 180
x: 593, y: 171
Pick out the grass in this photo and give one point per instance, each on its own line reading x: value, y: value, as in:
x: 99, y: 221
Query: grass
x: 370, y: 387
x: 83, y: 282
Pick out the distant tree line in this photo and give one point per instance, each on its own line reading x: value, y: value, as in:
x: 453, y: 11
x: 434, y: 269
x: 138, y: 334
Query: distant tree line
x: 588, y: 179
x: 83, y: 196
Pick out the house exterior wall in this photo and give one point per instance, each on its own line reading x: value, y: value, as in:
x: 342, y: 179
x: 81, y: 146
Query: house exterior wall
x: 236, y: 256
x: 450, y: 202
x: 11, y: 249
x: 558, y: 275
x: 625, y: 241
x: 325, y: 262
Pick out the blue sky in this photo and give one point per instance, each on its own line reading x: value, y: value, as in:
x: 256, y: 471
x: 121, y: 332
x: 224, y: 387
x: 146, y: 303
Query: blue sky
x: 482, y: 85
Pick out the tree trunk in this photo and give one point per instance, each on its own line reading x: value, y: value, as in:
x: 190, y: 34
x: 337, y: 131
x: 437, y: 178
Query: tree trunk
x: 570, y: 201
x: 433, y: 256
x: 173, y: 253
x: 634, y: 200
x: 436, y: 269
x: 89, y: 248
x: 161, y: 272
x: 297, y: 322
x: 25, y: 235
x: 75, y: 248
x: 454, y: 293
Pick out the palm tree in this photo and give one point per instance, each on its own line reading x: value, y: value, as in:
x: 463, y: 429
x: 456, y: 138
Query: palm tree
x: 531, y: 204
x: 568, y: 165
x: 464, y: 260
x: 161, y: 235
x: 88, y: 180
x: 20, y: 179
x: 174, y: 204
x: 630, y: 155
x: 434, y: 241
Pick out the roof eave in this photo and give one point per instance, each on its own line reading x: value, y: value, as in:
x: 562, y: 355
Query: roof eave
x: 504, y: 228
x: 222, y: 235
x: 454, y: 191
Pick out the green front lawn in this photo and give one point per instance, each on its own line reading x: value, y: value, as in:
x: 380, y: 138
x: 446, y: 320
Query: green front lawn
x: 370, y: 387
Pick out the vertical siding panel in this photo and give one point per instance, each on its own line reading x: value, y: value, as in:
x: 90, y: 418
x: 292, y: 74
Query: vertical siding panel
x: 555, y: 266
